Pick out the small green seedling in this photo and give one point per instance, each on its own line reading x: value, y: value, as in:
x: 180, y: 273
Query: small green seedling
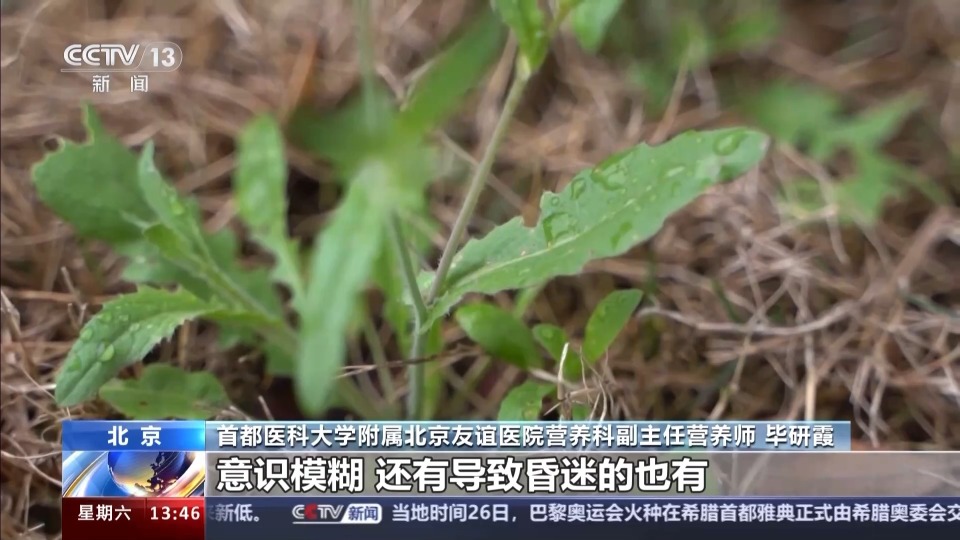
x: 604, y: 325
x: 677, y: 38
x: 382, y: 154
x: 811, y: 119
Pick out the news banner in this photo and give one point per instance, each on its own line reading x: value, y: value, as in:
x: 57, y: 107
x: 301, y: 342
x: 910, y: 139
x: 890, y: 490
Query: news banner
x: 194, y: 480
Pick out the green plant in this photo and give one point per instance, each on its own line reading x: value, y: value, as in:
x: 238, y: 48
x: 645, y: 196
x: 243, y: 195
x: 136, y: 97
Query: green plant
x: 383, y: 157
x: 604, y: 325
x: 663, y: 38
x: 812, y: 121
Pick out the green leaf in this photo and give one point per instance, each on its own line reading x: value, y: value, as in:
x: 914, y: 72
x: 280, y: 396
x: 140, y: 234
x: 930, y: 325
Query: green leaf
x: 148, y: 265
x: 792, y: 112
x: 868, y: 130
x: 347, y: 142
x: 243, y: 290
x: 860, y: 199
x: 580, y: 412
x: 529, y: 25
x: 389, y: 280
x: 691, y: 40
x: 603, y: 212
x: 124, y: 331
x: 341, y: 265
x: 388, y: 277
x: 439, y: 92
x: 170, y: 209
x: 524, y: 402
x: 145, y: 265
x: 590, y: 20
x: 607, y: 321
x: 500, y: 333
x: 260, y: 182
x: 552, y: 338
x: 757, y: 24
x: 93, y: 185
x: 802, y: 198
x: 165, y: 391
x: 342, y: 137
x: 434, y: 381
x: 280, y: 363
x: 655, y: 82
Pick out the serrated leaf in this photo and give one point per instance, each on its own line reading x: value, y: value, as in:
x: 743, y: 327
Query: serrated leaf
x: 124, y: 331
x: 524, y: 402
x: 180, y: 240
x: 866, y: 132
x: 177, y: 250
x: 607, y: 321
x: 860, y: 199
x: 457, y: 71
x: 93, y: 185
x: 529, y: 25
x: 165, y: 391
x: 589, y: 21
x: 602, y: 213
x: 242, y: 290
x: 145, y: 265
x: 342, y: 137
x: 168, y: 206
x: 341, y: 265
x: 552, y: 338
x: 500, y: 333
x: 791, y: 112
x: 260, y: 188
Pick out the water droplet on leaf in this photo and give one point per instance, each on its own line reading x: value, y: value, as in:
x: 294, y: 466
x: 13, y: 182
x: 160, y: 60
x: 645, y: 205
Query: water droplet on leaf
x: 611, y: 180
x: 620, y: 234
x: 557, y: 226
x: 108, y: 353
x: 729, y: 144
x: 673, y: 172
x: 578, y: 187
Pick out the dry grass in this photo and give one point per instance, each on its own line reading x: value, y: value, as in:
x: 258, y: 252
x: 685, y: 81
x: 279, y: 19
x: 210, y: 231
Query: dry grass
x: 754, y: 315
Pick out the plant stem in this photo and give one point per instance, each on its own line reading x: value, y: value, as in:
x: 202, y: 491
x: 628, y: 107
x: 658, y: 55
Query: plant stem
x: 379, y: 358
x: 415, y: 372
x: 477, y: 183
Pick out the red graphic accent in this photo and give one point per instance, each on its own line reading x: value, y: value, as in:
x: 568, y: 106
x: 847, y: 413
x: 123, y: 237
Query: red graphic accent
x: 181, y: 518
x: 106, y: 518
x: 133, y: 518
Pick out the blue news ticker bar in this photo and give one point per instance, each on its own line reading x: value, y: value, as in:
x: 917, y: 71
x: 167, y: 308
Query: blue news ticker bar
x: 381, y: 437
x: 93, y: 435
x: 516, y: 518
